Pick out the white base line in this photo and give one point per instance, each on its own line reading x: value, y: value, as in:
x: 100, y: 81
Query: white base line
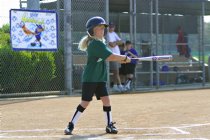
x: 77, y: 129
x: 180, y: 131
x: 194, y: 125
x: 161, y: 134
x: 63, y: 136
x: 177, y: 128
x: 4, y: 133
x: 21, y: 137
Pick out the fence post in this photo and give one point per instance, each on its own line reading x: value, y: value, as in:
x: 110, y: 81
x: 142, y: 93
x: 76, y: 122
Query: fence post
x: 67, y: 47
x: 157, y: 42
x: 209, y: 68
x: 151, y: 42
x: 202, y: 44
x: 33, y: 4
x: 107, y: 20
x: 131, y: 20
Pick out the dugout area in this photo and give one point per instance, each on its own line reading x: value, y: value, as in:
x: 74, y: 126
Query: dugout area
x: 152, y: 26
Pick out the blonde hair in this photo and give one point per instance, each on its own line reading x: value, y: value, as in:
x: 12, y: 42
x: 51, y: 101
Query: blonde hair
x: 83, y: 44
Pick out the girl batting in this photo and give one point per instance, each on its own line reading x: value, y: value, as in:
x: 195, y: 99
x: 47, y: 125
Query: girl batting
x: 95, y: 73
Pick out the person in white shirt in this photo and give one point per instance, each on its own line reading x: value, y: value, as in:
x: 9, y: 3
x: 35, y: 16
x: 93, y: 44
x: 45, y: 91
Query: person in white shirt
x: 114, y: 40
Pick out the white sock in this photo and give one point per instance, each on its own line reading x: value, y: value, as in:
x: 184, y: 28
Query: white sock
x: 108, y: 114
x: 129, y: 82
x: 76, y: 117
x: 77, y: 114
x: 108, y: 117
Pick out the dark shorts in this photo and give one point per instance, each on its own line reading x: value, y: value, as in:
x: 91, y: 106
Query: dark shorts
x: 128, y: 68
x: 89, y: 89
x: 122, y: 70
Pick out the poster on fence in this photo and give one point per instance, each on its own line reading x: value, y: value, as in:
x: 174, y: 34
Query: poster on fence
x: 33, y: 30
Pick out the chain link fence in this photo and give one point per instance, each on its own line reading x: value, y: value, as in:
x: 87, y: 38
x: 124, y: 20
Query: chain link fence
x: 155, y: 27
x: 181, y: 39
x: 82, y: 10
x: 160, y: 27
x: 38, y: 72
x: 33, y: 73
x: 166, y: 30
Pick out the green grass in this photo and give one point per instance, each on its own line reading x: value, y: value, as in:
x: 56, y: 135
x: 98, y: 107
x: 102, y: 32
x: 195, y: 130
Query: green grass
x: 206, y: 57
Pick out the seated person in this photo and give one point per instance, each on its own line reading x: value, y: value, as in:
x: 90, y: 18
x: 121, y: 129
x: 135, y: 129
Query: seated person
x: 128, y: 69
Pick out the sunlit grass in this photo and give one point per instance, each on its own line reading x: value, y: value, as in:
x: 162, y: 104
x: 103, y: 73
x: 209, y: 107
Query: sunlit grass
x: 205, y: 58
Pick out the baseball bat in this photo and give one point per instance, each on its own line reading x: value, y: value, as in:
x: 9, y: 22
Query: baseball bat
x: 156, y: 58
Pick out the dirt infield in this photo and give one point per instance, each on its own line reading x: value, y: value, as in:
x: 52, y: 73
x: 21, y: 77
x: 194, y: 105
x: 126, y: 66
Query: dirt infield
x: 183, y: 115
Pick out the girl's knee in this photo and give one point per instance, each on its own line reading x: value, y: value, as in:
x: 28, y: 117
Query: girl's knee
x: 84, y: 104
x: 105, y: 100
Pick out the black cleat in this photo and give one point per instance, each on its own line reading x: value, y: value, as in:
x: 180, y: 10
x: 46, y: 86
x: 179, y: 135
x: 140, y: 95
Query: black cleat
x: 69, y: 129
x: 111, y: 129
x: 33, y: 44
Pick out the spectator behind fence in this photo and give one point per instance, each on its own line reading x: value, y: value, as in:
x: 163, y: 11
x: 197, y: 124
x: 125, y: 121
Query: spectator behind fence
x: 182, y: 45
x: 114, y: 40
x: 181, y: 48
x: 127, y: 70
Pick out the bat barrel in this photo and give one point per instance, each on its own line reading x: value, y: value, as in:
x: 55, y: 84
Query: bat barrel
x: 163, y: 58
x: 156, y: 58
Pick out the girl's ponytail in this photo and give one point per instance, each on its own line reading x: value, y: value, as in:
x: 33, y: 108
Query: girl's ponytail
x: 84, y: 43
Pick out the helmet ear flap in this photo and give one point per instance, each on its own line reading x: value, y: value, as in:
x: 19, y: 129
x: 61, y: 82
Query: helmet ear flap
x: 105, y: 31
x: 90, y: 31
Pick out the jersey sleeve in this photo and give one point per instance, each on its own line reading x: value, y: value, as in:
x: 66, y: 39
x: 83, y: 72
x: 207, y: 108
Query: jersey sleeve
x: 101, y: 50
x: 134, y: 52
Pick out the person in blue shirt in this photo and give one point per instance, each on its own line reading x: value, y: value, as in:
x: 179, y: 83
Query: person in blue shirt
x: 129, y: 68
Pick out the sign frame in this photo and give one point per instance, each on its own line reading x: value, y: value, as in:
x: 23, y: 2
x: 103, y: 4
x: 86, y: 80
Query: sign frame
x: 33, y: 30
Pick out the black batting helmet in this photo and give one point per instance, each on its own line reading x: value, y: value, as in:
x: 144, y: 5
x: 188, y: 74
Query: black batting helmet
x: 93, y: 22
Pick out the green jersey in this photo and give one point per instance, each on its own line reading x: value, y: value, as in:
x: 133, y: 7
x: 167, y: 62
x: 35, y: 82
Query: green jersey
x: 95, y: 70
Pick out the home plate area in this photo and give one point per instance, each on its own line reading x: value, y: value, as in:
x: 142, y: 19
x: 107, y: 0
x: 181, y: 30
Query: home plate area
x: 172, y: 115
x: 181, y: 132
